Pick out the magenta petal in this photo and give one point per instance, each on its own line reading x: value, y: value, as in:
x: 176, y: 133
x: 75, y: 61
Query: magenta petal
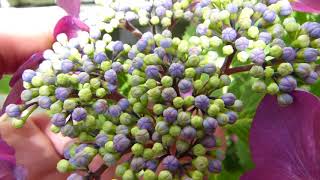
x: 32, y: 63
x: 285, y: 141
x: 14, y: 95
x: 7, y: 161
x: 72, y: 7
x: 311, y: 6
x: 70, y: 26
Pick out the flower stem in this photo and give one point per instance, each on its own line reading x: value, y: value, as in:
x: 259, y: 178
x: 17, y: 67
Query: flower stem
x: 96, y: 174
x: 227, y: 63
x: 131, y: 28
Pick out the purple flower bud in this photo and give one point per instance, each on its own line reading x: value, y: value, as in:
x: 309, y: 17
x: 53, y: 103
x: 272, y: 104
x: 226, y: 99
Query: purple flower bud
x: 129, y: 16
x: 229, y: 34
x: 121, y: 143
x: 287, y: 84
x: 68, y: 130
x: 185, y: 85
x: 285, y: 9
x: 204, y: 3
x: 170, y: 163
x: 170, y: 114
x: 167, y: 4
x: 137, y: 62
x: 269, y: 16
x: 311, y: 54
x: 176, y: 70
x: 242, y: 43
x: 312, y: 78
x: 160, y: 11
x: 59, y: 119
x: 159, y: 51
x: 66, y: 66
x: 195, y: 51
x: 147, y: 36
x: 123, y: 104
x: 215, y: 166
x: 162, y: 127
x: 209, y: 68
x: 152, y: 72
x: 44, y: 102
x: 279, y: 42
x: 112, y: 87
x: 117, y: 67
x: 80, y: 161
x: 110, y: 76
x: 272, y: 1
x: 118, y: 46
x: 88, y: 66
x: 210, y: 124
x: 62, y: 93
x: 131, y: 54
x: 232, y: 8
x: 315, y: 32
x: 168, y: 94
x: 137, y: 164
x: 122, y: 129
x: 260, y: 7
x: 303, y: 70
x: 209, y: 142
x: 100, y: 57
x: 28, y: 74
x: 257, y: 56
x: 66, y: 153
x: 142, y: 45
x: 145, y: 123
x: 79, y: 114
x: 114, y: 111
x: 228, y: 99
x: 202, y: 102
x: 156, y: 137
x: 285, y: 99
x: 152, y: 165
x: 201, y: 29
x: 289, y: 54
x: 233, y: 116
x: 101, y: 139
x: 13, y: 110
x: 100, y: 106
x: 83, y: 77
x: 188, y: 133
x: 265, y: 36
x: 80, y: 148
x: 166, y: 43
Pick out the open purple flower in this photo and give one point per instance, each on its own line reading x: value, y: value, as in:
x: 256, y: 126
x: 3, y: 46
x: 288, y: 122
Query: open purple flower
x: 312, y: 6
x: 284, y: 141
x: 69, y: 25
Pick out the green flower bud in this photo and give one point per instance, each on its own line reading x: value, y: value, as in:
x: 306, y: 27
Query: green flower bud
x: 190, y: 72
x: 85, y: 137
x: 167, y: 140
x: 225, y: 80
x: 214, y: 82
x: 292, y: 27
x: 183, y: 118
x: 126, y: 119
x: 302, y: 41
x: 259, y: 44
x: 182, y: 146
x: 188, y: 101
x: 101, y: 92
x: 200, y: 134
x: 121, y: 169
x: 69, y: 104
x: 128, y: 175
x: 222, y: 119
x: 193, y: 61
x: 109, y: 147
x: 227, y: 50
x: 200, y: 163
x: 63, y: 166
x: 215, y: 42
x: 213, y: 109
x: 259, y: 86
x: 243, y: 56
x: 148, y: 154
x: 275, y: 51
x: 56, y: 107
x: 45, y: 91
x: 198, y: 85
x: 165, y: 175
x: 108, y: 127
x: 158, y: 109
x: 54, y: 129
x: 285, y: 69
x: 219, y: 103
x: 142, y: 136
x: 17, y: 123
x: 167, y: 81
x: 175, y: 130
x: 253, y: 32
x: 166, y: 22
x: 149, y: 175
x: 85, y: 94
x: 257, y: 71
x: 152, y: 59
x: 157, y: 148
x: 95, y: 83
x: 154, y: 94
x: 196, y: 121
x: 137, y: 91
x: 183, y: 47
x: 151, y: 83
x: 269, y: 72
x: 63, y: 80
x: 134, y: 130
x: 37, y: 81
x: 138, y: 108
x: 155, y: 20
x: 315, y: 43
x: 273, y: 89
x: 199, y: 150
x: 197, y: 175
x: 237, y: 106
x: 137, y: 149
x: 178, y: 102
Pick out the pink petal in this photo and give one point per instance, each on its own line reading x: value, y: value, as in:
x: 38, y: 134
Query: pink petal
x: 7, y: 153
x: 284, y: 141
x: 70, y: 26
x: 311, y: 6
x: 72, y: 7
x: 32, y: 63
x: 14, y: 95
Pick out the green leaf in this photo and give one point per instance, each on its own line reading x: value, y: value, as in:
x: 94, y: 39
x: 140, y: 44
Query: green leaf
x: 123, y: 83
x: 190, y: 31
x: 4, y: 84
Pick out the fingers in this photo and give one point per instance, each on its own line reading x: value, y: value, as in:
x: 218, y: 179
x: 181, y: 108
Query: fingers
x: 26, y: 31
